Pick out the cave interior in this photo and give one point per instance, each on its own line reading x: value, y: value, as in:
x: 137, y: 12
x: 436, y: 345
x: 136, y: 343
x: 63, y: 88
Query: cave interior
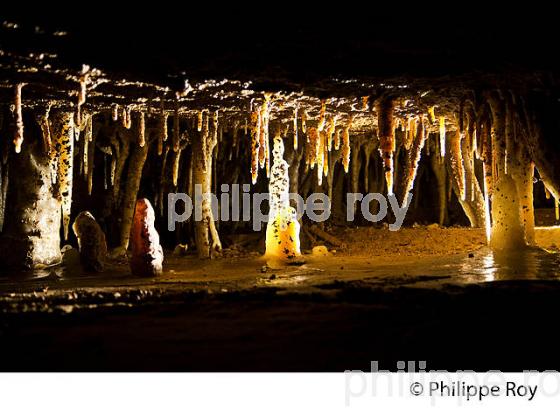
x: 100, y: 129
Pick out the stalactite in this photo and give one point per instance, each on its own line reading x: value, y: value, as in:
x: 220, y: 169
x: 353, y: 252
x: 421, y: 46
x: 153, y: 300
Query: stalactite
x: 312, y: 146
x: 264, y: 132
x: 162, y: 132
x: 365, y: 103
x: 337, y: 137
x: 255, y: 144
x: 331, y: 126
x: 90, y: 162
x: 176, y: 129
x: 346, y: 145
x: 442, y: 135
x: 295, y: 128
x: 413, y: 160
x: 64, y: 152
x: 127, y: 119
x: 44, y: 123
x: 304, y: 121
x: 384, y: 108
x: 175, y: 168
x: 432, y: 114
x: 456, y: 161
x: 18, y: 137
x: 141, y: 129
x: 320, y: 153
x: 162, y: 180
x: 115, y: 112
x: 322, y: 116
x: 199, y: 121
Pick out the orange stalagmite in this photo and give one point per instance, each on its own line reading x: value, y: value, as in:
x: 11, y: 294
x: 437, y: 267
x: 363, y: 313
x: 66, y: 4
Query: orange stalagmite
x: 295, y: 129
x: 384, y: 109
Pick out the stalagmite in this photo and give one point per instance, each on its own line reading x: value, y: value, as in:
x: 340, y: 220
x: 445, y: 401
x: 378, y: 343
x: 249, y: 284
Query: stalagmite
x: 91, y: 242
x: 18, y: 136
x: 507, y: 228
x: 456, y: 162
x: 384, y: 109
x: 282, y: 231
x: 147, y: 253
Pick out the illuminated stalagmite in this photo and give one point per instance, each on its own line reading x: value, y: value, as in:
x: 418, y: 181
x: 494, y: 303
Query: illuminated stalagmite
x: 507, y: 229
x: 31, y: 231
x: 282, y: 230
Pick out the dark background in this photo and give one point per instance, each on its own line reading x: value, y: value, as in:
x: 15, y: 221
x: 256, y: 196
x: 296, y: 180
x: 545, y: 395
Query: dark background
x: 294, y: 41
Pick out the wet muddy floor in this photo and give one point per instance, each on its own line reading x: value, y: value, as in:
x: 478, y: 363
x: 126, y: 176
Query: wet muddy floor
x: 473, y: 309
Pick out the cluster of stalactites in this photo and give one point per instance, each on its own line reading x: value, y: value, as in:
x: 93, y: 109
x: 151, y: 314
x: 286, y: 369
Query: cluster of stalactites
x: 260, y: 151
x: 323, y: 138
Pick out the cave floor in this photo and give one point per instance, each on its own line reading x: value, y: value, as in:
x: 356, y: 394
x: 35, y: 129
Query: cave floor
x: 423, y: 294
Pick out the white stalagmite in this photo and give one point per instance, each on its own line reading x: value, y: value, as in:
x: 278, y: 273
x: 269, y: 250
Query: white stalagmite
x: 282, y: 231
